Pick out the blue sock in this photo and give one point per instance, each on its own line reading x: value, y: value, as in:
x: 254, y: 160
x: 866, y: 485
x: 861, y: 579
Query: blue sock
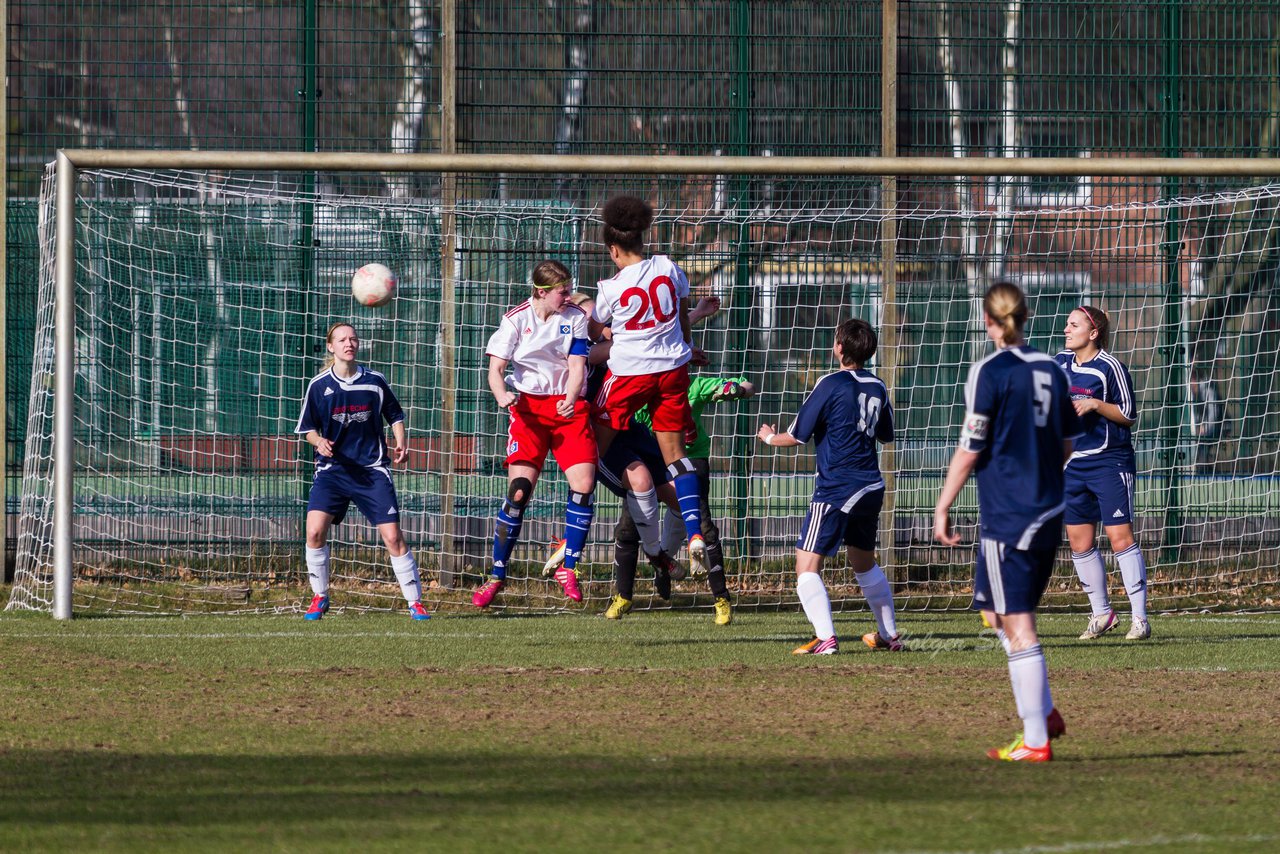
x: 685, y: 480
x: 506, y: 531
x: 578, y: 513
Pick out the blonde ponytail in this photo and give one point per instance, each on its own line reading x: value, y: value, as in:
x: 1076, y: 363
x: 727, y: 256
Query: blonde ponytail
x: 1006, y: 305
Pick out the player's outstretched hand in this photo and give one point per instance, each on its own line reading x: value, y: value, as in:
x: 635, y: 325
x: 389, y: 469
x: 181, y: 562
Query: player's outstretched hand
x: 942, y: 528
x: 765, y: 431
x: 706, y: 307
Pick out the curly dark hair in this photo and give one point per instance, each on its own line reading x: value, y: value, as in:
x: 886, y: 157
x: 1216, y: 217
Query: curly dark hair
x: 625, y: 220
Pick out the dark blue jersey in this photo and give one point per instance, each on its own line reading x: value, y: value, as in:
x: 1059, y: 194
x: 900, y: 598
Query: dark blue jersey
x: 1018, y: 413
x: 350, y: 414
x: 845, y: 414
x: 1103, y: 378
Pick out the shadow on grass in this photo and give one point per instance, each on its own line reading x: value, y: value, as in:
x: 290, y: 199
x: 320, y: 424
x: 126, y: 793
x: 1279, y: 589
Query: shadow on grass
x: 88, y: 787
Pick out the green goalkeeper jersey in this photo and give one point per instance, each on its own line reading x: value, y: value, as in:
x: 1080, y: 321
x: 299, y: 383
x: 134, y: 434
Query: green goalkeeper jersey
x: 702, y: 390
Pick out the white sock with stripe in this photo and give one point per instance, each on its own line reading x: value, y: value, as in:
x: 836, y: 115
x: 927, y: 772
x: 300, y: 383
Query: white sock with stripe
x: 817, y: 607
x: 673, y: 538
x: 643, y: 507
x: 1133, y: 569
x: 1093, y: 578
x: 318, y: 569
x: 1030, y: 680
x: 880, y: 598
x: 406, y: 569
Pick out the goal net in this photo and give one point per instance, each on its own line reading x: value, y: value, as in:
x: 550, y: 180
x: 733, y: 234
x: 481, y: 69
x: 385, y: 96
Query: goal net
x: 202, y: 299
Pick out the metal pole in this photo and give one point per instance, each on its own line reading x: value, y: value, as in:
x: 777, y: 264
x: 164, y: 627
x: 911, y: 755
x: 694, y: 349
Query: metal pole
x: 4, y: 306
x: 450, y: 559
x: 591, y: 164
x: 64, y: 387
x: 742, y: 295
x: 1176, y: 359
x: 889, y: 338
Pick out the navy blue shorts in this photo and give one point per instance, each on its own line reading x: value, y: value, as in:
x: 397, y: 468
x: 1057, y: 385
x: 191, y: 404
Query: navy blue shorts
x: 635, y: 444
x: 333, y: 489
x: 1099, y: 490
x: 826, y: 527
x: 1008, y: 580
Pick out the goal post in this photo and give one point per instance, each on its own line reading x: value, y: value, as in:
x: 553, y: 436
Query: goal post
x: 825, y: 231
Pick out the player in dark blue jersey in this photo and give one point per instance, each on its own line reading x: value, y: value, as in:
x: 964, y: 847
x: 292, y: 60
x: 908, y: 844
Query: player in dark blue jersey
x: 343, y: 418
x: 1100, y: 473
x: 1017, y: 434
x: 845, y: 415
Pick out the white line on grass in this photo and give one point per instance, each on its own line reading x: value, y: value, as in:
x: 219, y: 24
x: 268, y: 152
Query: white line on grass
x: 1115, y: 844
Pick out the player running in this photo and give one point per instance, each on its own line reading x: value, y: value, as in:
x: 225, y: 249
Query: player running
x: 647, y: 305
x: 342, y: 418
x: 846, y: 414
x: 1100, y: 473
x: 1017, y: 434
x: 544, y: 339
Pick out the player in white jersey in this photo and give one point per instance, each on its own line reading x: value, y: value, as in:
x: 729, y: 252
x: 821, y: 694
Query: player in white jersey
x: 342, y: 418
x: 544, y: 339
x: 647, y: 305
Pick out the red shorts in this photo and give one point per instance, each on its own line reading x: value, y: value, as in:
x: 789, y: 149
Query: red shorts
x: 537, y: 428
x: 666, y: 394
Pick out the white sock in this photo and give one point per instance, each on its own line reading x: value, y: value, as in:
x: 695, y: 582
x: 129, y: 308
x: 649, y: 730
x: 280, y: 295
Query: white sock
x: 673, y: 533
x: 1133, y: 569
x: 880, y: 597
x: 406, y: 569
x: 1030, y: 680
x: 1093, y: 578
x: 817, y: 607
x: 644, y: 512
x: 1004, y: 642
x: 318, y: 569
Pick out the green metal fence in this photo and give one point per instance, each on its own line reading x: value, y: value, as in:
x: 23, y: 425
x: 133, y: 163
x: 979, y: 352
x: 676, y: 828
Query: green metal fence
x: 613, y: 76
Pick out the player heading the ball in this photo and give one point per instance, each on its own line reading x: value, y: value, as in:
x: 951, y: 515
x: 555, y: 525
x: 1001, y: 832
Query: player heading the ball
x: 1017, y: 435
x: 342, y: 418
x: 544, y: 340
x: 846, y: 414
x: 647, y: 305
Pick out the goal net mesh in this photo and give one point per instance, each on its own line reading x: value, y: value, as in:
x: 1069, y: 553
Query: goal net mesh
x: 202, y: 300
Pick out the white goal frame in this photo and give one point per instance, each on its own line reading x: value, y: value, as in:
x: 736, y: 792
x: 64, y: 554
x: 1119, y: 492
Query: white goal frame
x: 70, y: 161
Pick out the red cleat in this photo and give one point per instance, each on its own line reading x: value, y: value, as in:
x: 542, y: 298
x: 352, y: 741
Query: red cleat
x: 568, y: 579
x: 483, y: 597
x: 1019, y: 752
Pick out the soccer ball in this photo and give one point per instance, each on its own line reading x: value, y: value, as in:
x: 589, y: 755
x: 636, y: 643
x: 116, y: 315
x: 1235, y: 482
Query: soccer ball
x: 373, y: 285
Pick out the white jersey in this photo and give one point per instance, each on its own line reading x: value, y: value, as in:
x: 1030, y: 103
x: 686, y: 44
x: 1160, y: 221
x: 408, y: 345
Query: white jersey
x: 539, y: 350
x: 643, y: 302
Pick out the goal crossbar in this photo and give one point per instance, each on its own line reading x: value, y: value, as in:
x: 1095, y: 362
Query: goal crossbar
x: 69, y: 161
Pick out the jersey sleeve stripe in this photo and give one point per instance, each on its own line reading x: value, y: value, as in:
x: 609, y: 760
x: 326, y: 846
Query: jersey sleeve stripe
x: 1123, y: 390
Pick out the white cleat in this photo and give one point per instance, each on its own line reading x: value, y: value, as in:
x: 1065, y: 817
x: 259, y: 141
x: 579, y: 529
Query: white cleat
x: 1140, y: 630
x: 697, y: 557
x: 1100, y: 625
x: 556, y: 560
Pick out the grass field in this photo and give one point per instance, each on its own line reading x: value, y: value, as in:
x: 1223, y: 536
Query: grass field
x: 658, y: 732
